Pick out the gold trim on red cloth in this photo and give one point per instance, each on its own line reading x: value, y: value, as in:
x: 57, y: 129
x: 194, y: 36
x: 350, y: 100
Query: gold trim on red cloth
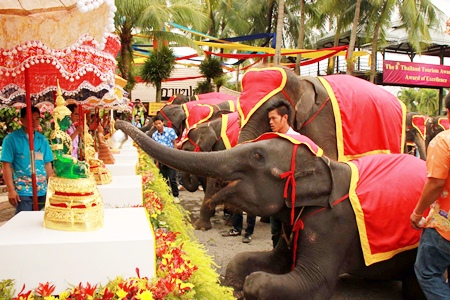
x: 259, y: 85
x: 378, y: 111
x: 382, y: 200
x: 443, y: 123
x: 229, y: 132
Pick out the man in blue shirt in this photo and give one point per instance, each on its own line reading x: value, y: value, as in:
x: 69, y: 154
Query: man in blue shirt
x: 16, y: 164
x: 166, y: 136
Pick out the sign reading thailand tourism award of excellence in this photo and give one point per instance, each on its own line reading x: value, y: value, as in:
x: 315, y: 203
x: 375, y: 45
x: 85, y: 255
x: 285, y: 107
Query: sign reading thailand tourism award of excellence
x: 398, y: 72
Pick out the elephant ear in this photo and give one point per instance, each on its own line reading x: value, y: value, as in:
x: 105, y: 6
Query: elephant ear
x: 320, y: 194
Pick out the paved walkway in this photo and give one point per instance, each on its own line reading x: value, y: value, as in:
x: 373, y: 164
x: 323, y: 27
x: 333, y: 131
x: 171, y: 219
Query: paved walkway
x: 6, y: 209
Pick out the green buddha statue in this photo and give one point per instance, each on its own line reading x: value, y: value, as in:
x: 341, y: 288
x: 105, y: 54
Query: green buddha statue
x: 64, y: 164
x: 73, y: 201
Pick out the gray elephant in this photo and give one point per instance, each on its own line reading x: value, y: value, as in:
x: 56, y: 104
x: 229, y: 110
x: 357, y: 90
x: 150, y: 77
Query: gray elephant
x: 415, y: 133
x: 180, y: 117
x: 346, y: 116
x: 435, y: 125
x: 314, y: 197
x: 216, y: 135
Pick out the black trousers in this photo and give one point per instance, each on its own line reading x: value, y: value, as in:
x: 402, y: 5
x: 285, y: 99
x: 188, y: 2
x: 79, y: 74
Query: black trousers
x: 171, y: 176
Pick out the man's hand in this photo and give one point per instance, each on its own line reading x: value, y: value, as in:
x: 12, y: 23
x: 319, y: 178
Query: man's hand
x: 415, y: 221
x: 79, y: 130
x: 13, y: 198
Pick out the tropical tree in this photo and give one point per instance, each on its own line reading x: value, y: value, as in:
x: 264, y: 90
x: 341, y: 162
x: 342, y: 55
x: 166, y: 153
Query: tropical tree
x: 149, y: 17
x: 279, y: 33
x: 415, y: 16
x: 351, y: 45
x: 374, y: 17
x: 211, y: 68
x: 158, y: 66
x: 424, y: 101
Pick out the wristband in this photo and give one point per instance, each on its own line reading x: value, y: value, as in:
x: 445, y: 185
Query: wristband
x: 416, y: 215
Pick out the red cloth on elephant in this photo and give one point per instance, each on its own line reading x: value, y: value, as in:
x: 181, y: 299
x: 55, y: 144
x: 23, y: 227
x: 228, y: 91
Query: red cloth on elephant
x: 443, y: 123
x: 383, y: 194
x: 230, y: 129
x: 200, y: 111
x: 215, y: 95
x: 369, y: 119
x: 258, y: 85
x: 418, y: 122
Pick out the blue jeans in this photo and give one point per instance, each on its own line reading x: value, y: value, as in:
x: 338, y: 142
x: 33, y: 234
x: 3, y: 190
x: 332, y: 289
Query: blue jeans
x: 433, y: 258
x: 26, y: 203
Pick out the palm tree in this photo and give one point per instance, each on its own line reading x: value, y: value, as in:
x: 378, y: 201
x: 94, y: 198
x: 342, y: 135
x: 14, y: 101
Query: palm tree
x: 424, y: 101
x: 279, y: 35
x: 158, y: 66
x: 415, y: 16
x: 149, y: 17
x: 351, y: 45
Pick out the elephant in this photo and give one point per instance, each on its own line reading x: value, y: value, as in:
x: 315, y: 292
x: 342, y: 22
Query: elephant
x: 433, y: 126
x: 415, y: 132
x: 177, y: 116
x: 313, y: 197
x: 375, y: 116
x: 216, y: 135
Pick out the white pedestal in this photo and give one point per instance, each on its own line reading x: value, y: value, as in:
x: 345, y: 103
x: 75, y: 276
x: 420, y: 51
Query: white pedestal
x: 123, y: 191
x: 123, y: 168
x: 126, y: 156
x: 31, y: 254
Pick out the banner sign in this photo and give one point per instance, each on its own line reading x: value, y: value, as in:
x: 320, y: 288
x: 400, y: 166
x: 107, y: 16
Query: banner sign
x: 399, y: 72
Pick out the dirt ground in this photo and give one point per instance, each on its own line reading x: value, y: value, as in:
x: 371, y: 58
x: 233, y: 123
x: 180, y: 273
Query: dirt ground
x: 222, y: 249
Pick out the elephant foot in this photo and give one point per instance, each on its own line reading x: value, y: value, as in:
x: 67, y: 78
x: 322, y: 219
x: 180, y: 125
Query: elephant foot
x: 245, y: 263
x: 203, y: 225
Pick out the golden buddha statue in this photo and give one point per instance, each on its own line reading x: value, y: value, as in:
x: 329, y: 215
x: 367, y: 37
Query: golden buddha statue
x: 101, y: 174
x: 73, y: 201
x: 104, y: 153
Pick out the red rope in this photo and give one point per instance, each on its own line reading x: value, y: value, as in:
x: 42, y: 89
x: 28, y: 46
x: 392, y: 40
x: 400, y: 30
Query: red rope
x: 299, y: 225
x: 169, y: 122
x: 290, y: 179
x: 315, y: 115
x: 288, y: 98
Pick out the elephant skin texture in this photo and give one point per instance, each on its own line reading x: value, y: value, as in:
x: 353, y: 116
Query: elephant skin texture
x: 329, y: 243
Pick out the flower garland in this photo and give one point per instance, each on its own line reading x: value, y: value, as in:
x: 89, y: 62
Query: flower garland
x: 183, y: 269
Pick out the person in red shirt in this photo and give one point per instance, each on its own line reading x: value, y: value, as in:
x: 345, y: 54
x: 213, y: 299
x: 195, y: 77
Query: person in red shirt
x: 433, y: 256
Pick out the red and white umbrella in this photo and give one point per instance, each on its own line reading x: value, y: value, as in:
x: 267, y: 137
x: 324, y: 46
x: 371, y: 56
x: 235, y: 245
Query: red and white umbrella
x: 43, y: 41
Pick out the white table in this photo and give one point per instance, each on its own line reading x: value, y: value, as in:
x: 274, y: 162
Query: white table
x: 123, y: 191
x: 31, y: 254
x: 123, y: 168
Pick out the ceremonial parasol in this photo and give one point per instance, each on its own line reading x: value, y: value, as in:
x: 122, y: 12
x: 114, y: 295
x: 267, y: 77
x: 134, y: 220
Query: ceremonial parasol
x: 48, y: 40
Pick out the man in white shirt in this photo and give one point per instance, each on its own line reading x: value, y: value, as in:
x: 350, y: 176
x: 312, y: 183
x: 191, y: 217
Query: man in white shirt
x: 279, y: 115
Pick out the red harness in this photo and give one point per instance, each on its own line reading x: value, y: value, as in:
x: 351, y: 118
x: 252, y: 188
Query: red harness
x: 170, y: 124
x: 298, y: 223
x: 315, y: 115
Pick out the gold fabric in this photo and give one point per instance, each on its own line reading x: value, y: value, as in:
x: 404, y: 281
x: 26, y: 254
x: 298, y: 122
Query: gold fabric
x: 57, y: 24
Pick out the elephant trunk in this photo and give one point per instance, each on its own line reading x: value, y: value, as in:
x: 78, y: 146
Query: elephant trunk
x: 190, y: 182
x: 208, y: 164
x: 420, y: 143
x: 257, y: 125
x: 150, y: 131
x: 146, y: 127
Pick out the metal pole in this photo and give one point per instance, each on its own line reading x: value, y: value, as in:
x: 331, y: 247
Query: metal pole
x: 31, y: 139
